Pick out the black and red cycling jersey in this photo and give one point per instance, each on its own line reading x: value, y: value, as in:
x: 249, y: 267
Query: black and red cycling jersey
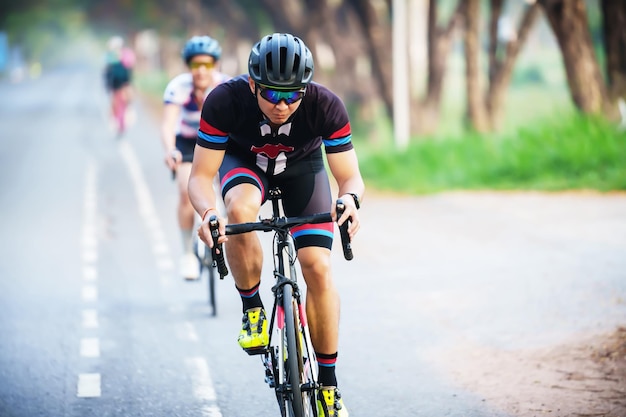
x: 232, y: 121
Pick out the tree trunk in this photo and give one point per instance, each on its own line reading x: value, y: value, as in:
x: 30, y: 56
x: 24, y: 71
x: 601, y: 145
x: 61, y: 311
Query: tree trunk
x: 379, y: 46
x: 476, y: 111
x: 568, y: 19
x: 495, y: 13
x: 439, y: 42
x: 614, y: 15
x: 501, y: 70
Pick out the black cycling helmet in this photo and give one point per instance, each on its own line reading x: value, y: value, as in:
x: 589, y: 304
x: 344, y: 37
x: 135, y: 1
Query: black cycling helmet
x: 201, y: 45
x: 281, y: 60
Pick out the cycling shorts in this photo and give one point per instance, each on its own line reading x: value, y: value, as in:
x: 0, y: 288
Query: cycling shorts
x: 305, y: 190
x: 186, y: 146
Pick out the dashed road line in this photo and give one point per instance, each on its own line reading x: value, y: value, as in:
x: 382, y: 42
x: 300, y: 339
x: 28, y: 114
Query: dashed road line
x: 90, y: 318
x: 90, y: 293
x: 90, y: 347
x: 188, y: 332
x: 203, y: 386
x: 88, y: 384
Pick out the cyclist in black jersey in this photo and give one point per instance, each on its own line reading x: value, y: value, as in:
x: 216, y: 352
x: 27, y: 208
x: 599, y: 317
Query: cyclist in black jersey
x: 267, y: 129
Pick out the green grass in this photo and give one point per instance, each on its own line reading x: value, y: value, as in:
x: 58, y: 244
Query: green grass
x: 576, y: 152
x: 152, y: 83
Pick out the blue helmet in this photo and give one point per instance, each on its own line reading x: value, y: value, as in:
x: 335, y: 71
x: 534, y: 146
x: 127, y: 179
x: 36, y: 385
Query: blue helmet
x: 201, y: 45
x: 281, y: 60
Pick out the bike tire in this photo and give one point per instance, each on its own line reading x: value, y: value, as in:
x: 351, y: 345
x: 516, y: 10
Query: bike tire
x: 208, y: 262
x: 292, y: 366
x: 306, y: 364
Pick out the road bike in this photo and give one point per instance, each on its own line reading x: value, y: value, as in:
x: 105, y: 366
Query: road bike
x: 289, y: 360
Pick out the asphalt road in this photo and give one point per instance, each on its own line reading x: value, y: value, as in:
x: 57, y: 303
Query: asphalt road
x: 94, y: 320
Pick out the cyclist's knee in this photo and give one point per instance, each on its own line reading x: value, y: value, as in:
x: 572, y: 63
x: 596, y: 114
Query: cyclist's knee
x: 243, y: 203
x: 315, y: 264
x: 185, y: 204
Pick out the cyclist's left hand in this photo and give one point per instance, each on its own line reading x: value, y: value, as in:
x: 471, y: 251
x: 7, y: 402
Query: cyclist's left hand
x: 173, y: 159
x: 350, y: 213
x: 204, y: 231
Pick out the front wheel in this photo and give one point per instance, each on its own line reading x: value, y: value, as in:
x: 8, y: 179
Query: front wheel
x: 292, y: 362
x: 300, y: 364
x: 211, y: 280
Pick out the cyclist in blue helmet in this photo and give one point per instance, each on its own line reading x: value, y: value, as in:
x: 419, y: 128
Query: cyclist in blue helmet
x: 268, y: 128
x: 183, y: 100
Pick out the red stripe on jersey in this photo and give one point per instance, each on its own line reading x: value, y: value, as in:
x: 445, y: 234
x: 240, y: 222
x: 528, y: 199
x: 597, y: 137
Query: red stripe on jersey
x: 341, y: 133
x: 210, y: 130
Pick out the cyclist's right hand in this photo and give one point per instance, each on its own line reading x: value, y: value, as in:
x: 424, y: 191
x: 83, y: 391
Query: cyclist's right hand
x: 173, y: 159
x: 205, y: 233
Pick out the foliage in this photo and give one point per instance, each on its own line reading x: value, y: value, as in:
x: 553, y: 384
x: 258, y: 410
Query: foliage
x: 152, y: 84
x: 577, y: 152
x: 45, y: 34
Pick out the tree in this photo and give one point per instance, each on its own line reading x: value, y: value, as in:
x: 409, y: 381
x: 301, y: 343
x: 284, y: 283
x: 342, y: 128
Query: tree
x: 614, y: 16
x: 439, y: 41
x: 485, y: 111
x: 501, y: 64
x: 476, y: 109
x: 568, y: 20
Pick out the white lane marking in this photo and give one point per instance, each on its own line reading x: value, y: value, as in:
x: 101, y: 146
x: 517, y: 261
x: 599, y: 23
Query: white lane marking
x: 90, y: 273
x: 211, y: 411
x: 89, y: 237
x: 90, y: 293
x: 90, y: 347
x: 88, y: 385
x: 90, y: 319
x: 203, y: 386
x: 188, y: 332
x: 146, y: 208
x: 165, y: 264
x: 90, y: 255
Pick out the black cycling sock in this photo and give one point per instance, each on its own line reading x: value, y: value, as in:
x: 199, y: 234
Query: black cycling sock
x: 250, y: 298
x: 326, y: 367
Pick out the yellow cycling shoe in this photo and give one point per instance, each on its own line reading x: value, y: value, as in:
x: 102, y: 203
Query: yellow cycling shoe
x: 330, y: 404
x: 254, y: 336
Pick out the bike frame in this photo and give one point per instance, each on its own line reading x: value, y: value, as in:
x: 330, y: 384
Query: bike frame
x: 290, y: 357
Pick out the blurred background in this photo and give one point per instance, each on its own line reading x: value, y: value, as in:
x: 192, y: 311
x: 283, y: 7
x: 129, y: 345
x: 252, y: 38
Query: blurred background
x: 463, y: 304
x: 467, y: 94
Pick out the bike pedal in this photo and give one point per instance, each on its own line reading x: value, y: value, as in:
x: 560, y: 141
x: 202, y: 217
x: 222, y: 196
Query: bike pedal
x: 269, y: 379
x: 257, y: 351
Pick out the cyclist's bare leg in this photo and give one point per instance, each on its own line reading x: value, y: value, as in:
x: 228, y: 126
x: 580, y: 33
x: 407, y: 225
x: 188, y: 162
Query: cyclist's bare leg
x: 186, y: 211
x: 120, y: 99
x: 189, y: 266
x: 322, y: 299
x: 244, y: 251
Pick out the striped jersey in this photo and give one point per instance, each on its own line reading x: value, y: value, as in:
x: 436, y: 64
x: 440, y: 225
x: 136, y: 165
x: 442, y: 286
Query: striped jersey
x: 179, y: 91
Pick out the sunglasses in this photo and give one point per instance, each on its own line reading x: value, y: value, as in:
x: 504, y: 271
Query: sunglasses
x: 196, y: 65
x: 276, y: 96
